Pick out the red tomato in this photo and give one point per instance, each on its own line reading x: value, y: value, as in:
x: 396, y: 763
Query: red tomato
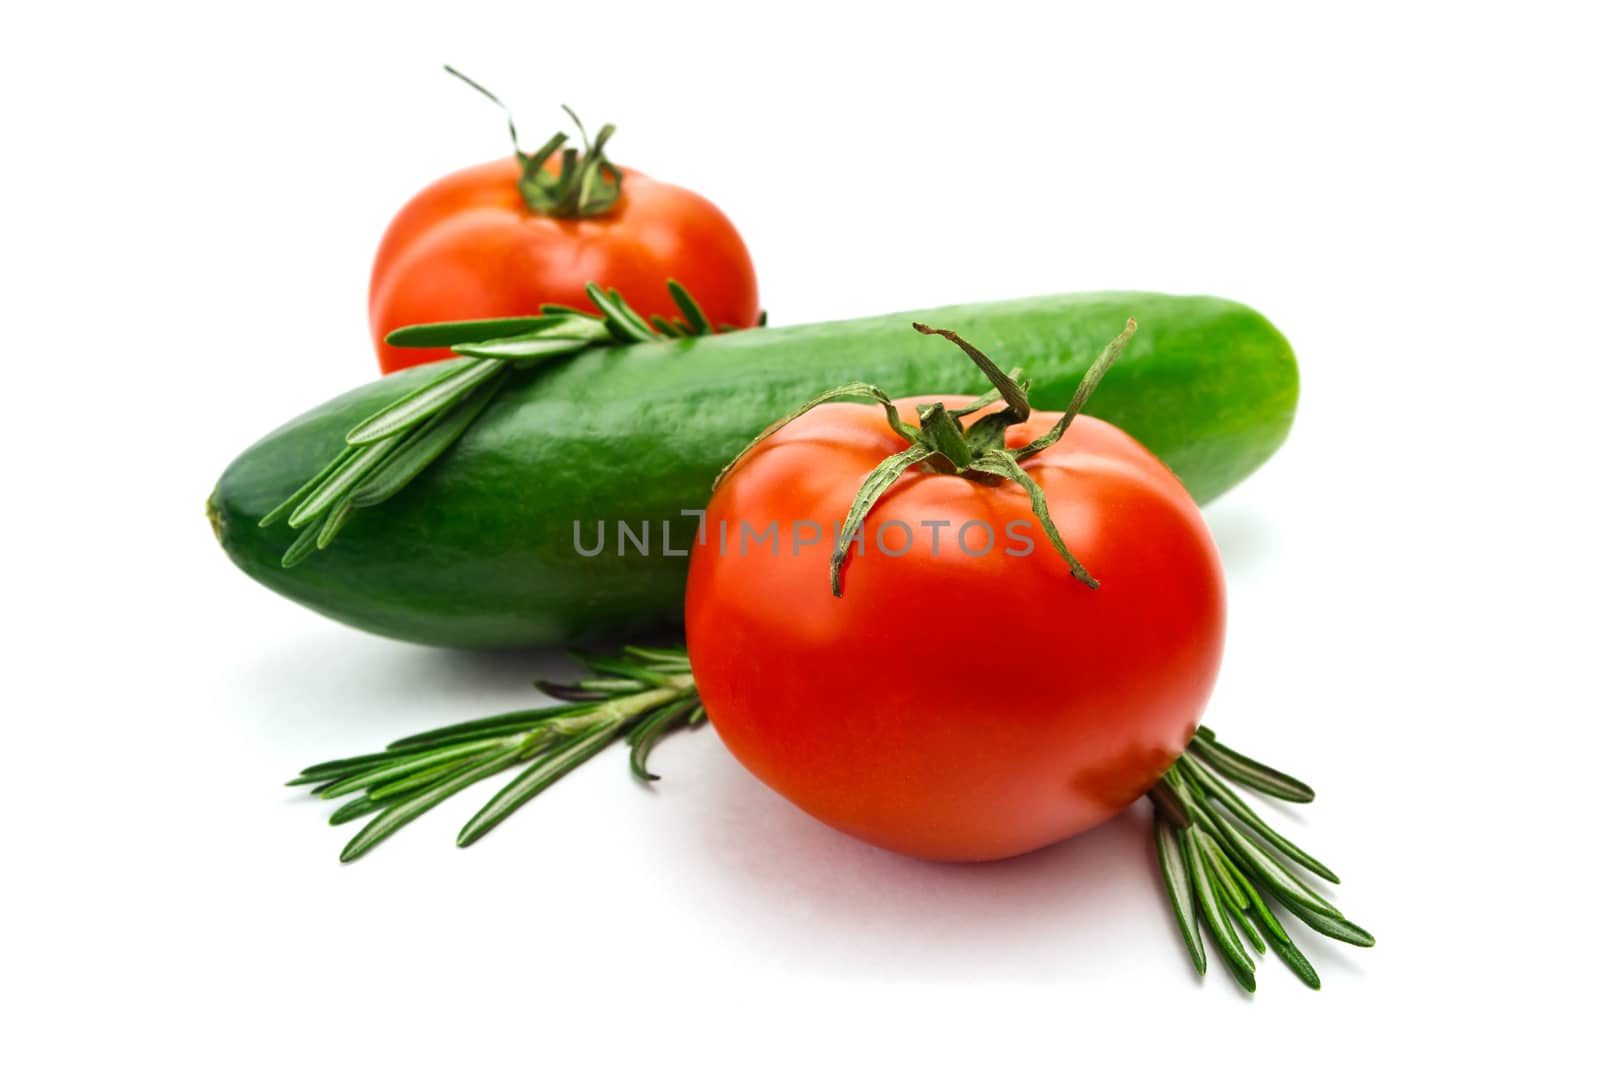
x: 468, y: 247
x: 954, y: 705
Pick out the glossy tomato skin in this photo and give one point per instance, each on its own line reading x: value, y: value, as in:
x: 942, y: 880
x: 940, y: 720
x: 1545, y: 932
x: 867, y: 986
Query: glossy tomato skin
x: 953, y: 706
x: 467, y: 247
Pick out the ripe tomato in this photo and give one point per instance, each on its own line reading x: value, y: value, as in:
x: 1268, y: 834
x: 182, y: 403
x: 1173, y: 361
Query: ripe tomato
x: 469, y: 247
x: 952, y: 704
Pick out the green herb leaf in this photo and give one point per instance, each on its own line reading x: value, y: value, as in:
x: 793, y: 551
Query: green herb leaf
x: 285, y: 509
x: 330, y: 769
x: 668, y: 327
x: 417, y: 406
x: 632, y: 317
x: 643, y: 737
x: 405, y: 764
x: 464, y: 332
x: 397, y: 815
x: 1218, y: 789
x: 524, y: 349
x: 1241, y: 923
x: 610, y: 685
x: 693, y: 317
x: 1278, y: 938
x: 1240, y: 965
x: 1248, y: 772
x: 332, y: 491
x: 1284, y: 885
x: 414, y: 781
x: 1212, y: 854
x: 420, y: 449
x: 672, y: 657
x: 536, y: 779
x: 1335, y: 926
x: 333, y: 523
x: 302, y: 547
x: 512, y: 722
x: 1258, y: 906
x: 355, y: 809
x: 1179, y: 890
x: 625, y: 669
x: 619, y: 316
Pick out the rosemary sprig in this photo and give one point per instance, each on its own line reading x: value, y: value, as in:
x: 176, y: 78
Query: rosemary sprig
x: 389, y: 448
x: 640, y: 696
x: 1219, y: 860
x: 1218, y: 876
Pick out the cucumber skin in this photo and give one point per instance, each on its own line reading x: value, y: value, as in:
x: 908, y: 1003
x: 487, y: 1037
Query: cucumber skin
x: 478, y: 551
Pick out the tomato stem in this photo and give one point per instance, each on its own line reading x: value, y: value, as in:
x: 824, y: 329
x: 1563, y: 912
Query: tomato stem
x: 942, y: 443
x: 585, y: 184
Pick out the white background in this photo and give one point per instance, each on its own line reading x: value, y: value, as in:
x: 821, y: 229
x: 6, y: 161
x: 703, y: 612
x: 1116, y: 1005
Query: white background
x: 191, y: 199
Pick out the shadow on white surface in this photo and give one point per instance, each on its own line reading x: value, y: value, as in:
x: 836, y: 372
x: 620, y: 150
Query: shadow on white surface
x: 808, y: 898
x: 1246, y: 538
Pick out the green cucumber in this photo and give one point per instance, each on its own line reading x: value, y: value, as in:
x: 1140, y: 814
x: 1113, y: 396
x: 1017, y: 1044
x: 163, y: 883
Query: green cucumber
x: 479, y: 551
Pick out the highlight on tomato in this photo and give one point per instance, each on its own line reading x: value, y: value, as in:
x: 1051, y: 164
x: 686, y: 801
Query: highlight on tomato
x: 506, y: 237
x: 1009, y: 637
